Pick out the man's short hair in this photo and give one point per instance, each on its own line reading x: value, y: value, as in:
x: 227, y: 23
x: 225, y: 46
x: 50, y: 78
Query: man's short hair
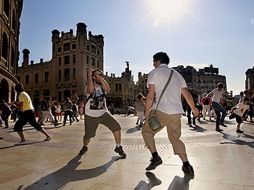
x: 19, y: 87
x: 162, y: 57
x: 220, y: 85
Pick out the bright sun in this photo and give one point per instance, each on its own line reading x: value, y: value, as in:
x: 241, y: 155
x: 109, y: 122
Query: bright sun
x: 170, y: 10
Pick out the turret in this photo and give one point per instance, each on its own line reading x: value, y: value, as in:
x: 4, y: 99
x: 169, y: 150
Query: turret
x: 54, y: 39
x: 25, y: 57
x: 81, y: 28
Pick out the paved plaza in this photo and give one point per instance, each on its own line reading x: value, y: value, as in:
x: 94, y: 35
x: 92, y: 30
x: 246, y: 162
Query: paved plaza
x: 222, y: 161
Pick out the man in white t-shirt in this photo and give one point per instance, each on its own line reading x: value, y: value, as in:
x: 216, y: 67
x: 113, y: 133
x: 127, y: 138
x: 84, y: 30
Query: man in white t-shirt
x: 96, y: 112
x: 217, y: 95
x: 169, y: 110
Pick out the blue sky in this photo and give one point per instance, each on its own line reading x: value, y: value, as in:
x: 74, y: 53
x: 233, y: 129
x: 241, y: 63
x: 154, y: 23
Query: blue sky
x: 195, y: 32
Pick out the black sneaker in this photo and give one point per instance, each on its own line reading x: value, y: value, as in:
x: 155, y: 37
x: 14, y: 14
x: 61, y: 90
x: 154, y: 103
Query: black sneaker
x: 239, y: 131
x: 218, y: 129
x: 154, y: 163
x: 120, y: 151
x: 83, y: 150
x: 188, y: 169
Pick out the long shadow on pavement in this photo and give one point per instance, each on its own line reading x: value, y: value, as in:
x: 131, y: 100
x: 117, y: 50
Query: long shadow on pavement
x: 180, y: 183
x: 235, y: 140
x: 153, y: 181
x: 133, y: 130
x: 197, y: 128
x: 68, y: 173
x: 15, y: 145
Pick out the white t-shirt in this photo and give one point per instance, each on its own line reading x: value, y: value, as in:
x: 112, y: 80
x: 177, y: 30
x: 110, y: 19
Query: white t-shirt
x: 170, y: 102
x: 240, y: 109
x: 96, y: 105
x: 217, y: 95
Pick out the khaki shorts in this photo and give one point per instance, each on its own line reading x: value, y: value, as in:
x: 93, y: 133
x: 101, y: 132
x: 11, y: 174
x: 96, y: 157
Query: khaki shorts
x: 92, y: 123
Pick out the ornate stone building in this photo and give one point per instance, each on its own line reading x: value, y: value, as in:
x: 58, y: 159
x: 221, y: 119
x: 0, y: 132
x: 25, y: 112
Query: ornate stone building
x: 249, y: 82
x: 10, y: 12
x: 123, y: 89
x: 65, y: 74
x: 201, y: 81
x: 141, y: 83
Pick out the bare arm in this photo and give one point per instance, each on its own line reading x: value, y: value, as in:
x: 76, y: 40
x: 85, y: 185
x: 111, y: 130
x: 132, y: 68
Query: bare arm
x: 104, y: 84
x: 149, y: 100
x: 188, y: 97
x: 90, y: 85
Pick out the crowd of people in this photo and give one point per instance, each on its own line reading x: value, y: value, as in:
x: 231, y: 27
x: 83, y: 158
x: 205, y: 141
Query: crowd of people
x: 168, y: 98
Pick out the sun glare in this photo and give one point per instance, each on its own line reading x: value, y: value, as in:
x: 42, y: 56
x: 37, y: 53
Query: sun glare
x: 170, y: 10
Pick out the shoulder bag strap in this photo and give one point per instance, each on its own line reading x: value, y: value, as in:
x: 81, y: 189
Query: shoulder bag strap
x: 166, y: 85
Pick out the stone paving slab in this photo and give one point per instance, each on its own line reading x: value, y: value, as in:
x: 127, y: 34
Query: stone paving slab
x: 222, y: 161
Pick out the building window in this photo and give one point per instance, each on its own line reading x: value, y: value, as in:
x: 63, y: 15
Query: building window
x: 36, y: 78
x: 12, y: 58
x: 93, y: 61
x: 27, y: 79
x: 67, y: 74
x: 98, y: 63
x: 88, y: 47
x: 98, y: 52
x: 46, y: 93
x: 5, y: 47
x: 74, y: 74
x: 6, y: 7
x: 87, y: 59
x: 46, y: 76
x: 67, y: 46
x: 59, y: 60
x: 73, y: 46
x: 74, y: 58
x: 59, y: 49
x: 93, y: 49
x: 66, y: 59
x: 59, y: 75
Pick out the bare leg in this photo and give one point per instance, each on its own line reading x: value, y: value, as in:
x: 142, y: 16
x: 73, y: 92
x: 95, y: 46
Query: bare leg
x: 21, y: 135
x: 183, y: 157
x: 45, y: 133
x: 117, y: 136
x: 238, y: 126
x: 86, y: 141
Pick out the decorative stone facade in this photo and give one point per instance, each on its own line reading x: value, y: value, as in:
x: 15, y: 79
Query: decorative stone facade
x: 249, y: 83
x: 201, y: 81
x: 123, y: 89
x: 10, y: 12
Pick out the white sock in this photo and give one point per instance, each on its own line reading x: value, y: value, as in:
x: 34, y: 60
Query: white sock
x: 118, y: 145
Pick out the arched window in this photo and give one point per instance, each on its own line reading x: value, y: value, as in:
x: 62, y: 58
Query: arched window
x: 12, y: 57
x: 6, y: 7
x: 5, y: 46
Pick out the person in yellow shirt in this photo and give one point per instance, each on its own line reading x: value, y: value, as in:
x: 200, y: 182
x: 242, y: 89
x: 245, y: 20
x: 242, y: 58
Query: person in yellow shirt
x: 26, y: 114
